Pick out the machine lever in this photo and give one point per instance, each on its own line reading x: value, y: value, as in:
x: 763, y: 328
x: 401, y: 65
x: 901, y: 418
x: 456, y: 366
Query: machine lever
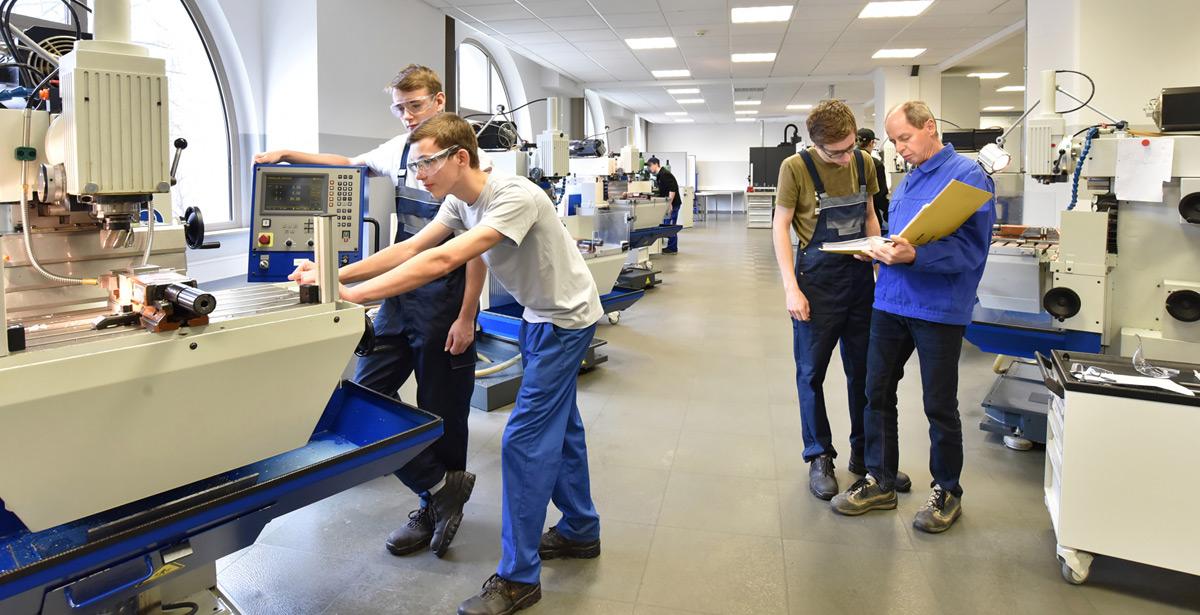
x: 142, y: 578
x: 180, y: 145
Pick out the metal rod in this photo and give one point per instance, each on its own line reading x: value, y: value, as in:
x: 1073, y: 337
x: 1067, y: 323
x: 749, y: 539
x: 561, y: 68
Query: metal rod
x: 32, y: 44
x: 1000, y: 141
x: 326, y: 254
x: 1106, y: 116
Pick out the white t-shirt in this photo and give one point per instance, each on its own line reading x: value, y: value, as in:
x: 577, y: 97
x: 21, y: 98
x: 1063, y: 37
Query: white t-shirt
x: 537, y: 261
x: 384, y: 161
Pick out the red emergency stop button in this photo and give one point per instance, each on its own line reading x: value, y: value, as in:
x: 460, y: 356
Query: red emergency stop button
x: 264, y: 239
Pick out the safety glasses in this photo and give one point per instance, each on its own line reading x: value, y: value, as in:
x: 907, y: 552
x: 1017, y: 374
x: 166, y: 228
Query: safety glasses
x: 836, y: 153
x: 414, y: 106
x: 430, y: 165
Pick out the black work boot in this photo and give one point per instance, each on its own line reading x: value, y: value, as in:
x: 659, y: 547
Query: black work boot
x: 858, y: 468
x: 863, y: 496
x: 413, y: 536
x: 501, y: 597
x: 939, y: 512
x: 446, y: 507
x: 555, y: 545
x: 821, y: 481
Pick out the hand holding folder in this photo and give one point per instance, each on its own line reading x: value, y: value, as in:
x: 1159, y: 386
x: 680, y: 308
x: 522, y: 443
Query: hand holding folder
x: 949, y: 210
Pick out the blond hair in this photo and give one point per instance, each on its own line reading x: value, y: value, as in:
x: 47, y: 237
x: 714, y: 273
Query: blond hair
x: 830, y: 121
x: 414, y: 77
x: 447, y: 130
x: 916, y: 112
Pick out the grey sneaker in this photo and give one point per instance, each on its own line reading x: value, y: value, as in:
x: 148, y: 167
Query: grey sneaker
x: 863, y: 496
x: 858, y: 468
x: 446, y: 507
x: 821, y: 481
x: 939, y: 512
x: 413, y: 536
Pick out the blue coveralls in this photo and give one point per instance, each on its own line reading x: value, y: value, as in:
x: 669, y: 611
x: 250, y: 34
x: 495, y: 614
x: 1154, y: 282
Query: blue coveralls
x: 543, y: 454
x: 411, y: 332
x: 840, y: 290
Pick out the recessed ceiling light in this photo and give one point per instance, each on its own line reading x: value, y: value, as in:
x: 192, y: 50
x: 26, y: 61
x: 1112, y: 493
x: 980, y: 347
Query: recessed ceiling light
x: 690, y: 101
x: 667, y: 74
x: 684, y: 91
x: 747, y: 103
x: 676, y: 112
x: 753, y: 57
x: 684, y: 119
x: 664, y: 42
x: 897, y: 53
x: 799, y: 107
x: 999, y: 108
x: 987, y: 75
x: 907, y: 8
x: 745, y: 119
x: 746, y: 112
x: 761, y: 14
x: 1011, y: 88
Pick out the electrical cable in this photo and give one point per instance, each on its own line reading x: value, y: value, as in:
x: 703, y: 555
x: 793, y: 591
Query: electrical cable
x: 1087, y: 145
x: 467, y: 117
x: 174, y: 606
x: 6, y: 7
x: 74, y: 19
x: 15, y: 64
x: 1090, y: 96
x: 938, y: 119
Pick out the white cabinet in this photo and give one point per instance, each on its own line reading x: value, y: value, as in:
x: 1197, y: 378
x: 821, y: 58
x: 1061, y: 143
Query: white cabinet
x: 759, y: 206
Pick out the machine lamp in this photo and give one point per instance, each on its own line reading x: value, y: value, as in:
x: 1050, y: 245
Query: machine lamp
x: 993, y: 158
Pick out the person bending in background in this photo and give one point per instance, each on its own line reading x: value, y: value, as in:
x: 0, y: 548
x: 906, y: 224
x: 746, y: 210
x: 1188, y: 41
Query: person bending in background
x: 668, y: 187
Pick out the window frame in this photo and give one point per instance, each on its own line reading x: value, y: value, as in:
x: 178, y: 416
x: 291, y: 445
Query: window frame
x: 494, y: 74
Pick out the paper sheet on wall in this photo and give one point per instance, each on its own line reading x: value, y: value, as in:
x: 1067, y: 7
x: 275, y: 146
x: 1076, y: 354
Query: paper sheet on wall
x: 1142, y: 167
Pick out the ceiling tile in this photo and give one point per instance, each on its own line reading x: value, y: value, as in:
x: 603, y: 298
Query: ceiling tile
x: 613, y: 7
x: 564, y: 24
x: 635, y: 20
x: 538, y: 38
x: 593, y: 36
x: 589, y: 46
x: 489, y: 12
x: 518, y: 26
x: 560, y: 8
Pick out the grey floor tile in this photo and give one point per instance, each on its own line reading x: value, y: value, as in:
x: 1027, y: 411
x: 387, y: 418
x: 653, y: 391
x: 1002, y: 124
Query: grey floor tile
x: 1000, y: 584
x: 724, y: 418
x: 640, y: 449
x: 566, y: 602
x: 644, y: 609
x: 631, y: 495
x: 830, y: 579
x: 720, y: 454
x: 712, y: 572
x: 268, y: 580
x: 615, y: 575
x: 804, y: 517
x: 721, y: 504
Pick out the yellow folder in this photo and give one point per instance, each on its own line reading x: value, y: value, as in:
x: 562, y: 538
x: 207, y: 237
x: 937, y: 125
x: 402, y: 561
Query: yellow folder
x: 953, y: 205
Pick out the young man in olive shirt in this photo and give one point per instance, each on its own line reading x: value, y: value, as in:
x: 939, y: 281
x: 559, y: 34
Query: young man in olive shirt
x: 825, y: 196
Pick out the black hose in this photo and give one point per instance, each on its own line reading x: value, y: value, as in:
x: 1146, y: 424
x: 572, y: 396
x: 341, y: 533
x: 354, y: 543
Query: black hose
x: 74, y: 19
x: 1090, y: 96
x: 938, y: 119
x: 194, y: 608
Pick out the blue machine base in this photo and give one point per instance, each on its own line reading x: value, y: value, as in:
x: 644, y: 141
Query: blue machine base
x: 1020, y: 342
x: 98, y: 562
x: 504, y: 321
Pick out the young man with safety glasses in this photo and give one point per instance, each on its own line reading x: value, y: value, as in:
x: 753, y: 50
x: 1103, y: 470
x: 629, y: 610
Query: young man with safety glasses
x: 428, y: 330
x: 825, y: 198
x: 513, y: 225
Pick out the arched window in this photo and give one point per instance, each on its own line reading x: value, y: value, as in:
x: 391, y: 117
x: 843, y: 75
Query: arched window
x: 197, y: 111
x: 480, y: 87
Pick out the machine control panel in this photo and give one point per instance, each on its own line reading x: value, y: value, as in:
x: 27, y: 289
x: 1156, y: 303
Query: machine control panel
x: 286, y: 197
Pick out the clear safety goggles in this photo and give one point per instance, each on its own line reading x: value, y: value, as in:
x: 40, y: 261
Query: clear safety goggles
x: 432, y: 164
x: 836, y: 153
x: 414, y: 106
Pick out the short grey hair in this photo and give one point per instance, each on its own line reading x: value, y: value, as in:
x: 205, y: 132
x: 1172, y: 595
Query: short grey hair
x: 916, y: 112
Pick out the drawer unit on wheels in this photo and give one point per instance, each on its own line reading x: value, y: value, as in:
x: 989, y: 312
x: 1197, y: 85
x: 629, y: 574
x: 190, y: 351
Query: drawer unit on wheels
x: 759, y: 207
x: 286, y: 197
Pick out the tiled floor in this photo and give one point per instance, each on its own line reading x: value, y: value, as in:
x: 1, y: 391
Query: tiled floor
x: 694, y: 439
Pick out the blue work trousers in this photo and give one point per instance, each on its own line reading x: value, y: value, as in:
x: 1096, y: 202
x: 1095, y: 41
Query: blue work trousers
x: 812, y: 346
x: 543, y: 454
x: 672, y: 219
x: 893, y: 339
x: 444, y: 386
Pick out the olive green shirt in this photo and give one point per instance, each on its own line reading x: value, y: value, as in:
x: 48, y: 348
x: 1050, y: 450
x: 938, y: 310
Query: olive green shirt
x: 796, y: 191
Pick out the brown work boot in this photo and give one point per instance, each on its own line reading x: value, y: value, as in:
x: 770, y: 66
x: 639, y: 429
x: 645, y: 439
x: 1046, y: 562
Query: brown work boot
x: 501, y: 597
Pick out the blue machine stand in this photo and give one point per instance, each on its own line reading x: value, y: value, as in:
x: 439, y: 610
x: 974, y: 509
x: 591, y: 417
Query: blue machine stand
x: 103, y: 563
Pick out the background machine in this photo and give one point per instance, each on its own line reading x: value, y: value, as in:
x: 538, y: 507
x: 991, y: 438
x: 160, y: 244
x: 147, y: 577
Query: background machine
x: 148, y: 426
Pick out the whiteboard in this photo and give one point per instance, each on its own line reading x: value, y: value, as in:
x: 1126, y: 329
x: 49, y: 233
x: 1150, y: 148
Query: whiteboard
x: 723, y: 174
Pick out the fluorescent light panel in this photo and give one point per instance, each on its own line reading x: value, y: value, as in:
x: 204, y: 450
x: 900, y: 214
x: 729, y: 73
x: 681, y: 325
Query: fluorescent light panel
x: 747, y: 103
x: 684, y: 119
x: 746, y: 112
x: 676, y: 112
x: 987, y: 75
x: 745, y: 119
x: 999, y: 108
x: 907, y: 8
x: 664, y: 42
x: 674, y: 72
x: 897, y: 53
x: 753, y: 57
x: 761, y: 14
x: 1011, y: 88
x: 683, y: 91
x: 690, y: 101
x: 799, y: 107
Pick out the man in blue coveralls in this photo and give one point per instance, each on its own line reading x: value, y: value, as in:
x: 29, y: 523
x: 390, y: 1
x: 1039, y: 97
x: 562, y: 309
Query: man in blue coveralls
x: 824, y: 198
x: 513, y: 225
x: 923, y: 302
x: 429, y: 331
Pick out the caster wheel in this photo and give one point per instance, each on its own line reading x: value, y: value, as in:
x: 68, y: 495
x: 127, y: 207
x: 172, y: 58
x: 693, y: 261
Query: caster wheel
x: 614, y: 318
x: 1073, y: 577
x: 1017, y: 443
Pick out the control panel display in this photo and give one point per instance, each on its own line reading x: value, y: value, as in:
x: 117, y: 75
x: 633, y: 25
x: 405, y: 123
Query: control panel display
x: 291, y: 192
x: 286, y: 197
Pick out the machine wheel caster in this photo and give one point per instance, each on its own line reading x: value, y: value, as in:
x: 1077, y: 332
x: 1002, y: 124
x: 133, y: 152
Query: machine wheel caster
x: 1017, y: 443
x: 614, y: 318
x: 1076, y: 565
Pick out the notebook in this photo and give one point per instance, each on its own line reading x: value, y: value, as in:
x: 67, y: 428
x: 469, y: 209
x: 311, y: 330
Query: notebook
x: 953, y: 205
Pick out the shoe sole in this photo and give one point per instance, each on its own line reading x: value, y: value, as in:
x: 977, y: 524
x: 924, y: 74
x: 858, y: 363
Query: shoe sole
x: 900, y: 487
x: 821, y: 496
x: 880, y: 506
x: 454, y: 522
x: 939, y: 531
x: 588, y: 552
x: 401, y: 551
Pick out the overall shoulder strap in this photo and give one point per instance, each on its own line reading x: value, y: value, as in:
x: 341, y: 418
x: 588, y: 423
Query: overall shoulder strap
x: 862, y: 175
x: 812, y: 172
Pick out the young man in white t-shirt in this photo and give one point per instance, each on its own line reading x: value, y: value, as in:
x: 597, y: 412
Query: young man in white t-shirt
x: 429, y: 331
x: 513, y: 225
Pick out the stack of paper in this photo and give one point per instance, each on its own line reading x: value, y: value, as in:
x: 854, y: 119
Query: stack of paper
x: 953, y: 205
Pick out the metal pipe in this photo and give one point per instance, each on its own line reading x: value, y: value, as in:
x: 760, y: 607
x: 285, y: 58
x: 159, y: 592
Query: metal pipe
x: 552, y: 114
x: 149, y: 230
x: 191, y: 299
x: 32, y: 44
x: 111, y: 18
x: 326, y: 256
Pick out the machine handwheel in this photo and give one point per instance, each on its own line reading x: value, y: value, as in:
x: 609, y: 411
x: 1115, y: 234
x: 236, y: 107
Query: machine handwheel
x: 614, y: 318
x: 1073, y: 577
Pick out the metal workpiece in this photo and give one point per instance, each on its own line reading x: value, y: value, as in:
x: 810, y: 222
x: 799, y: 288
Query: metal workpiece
x: 326, y: 257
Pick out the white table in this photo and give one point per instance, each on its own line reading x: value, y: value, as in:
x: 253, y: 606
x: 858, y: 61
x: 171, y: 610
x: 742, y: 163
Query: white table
x: 708, y: 195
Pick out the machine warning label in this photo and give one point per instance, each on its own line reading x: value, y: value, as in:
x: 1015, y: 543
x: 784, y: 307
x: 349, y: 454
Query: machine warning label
x: 166, y: 570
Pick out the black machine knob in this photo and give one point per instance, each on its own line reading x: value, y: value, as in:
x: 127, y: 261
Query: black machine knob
x: 310, y: 243
x: 1062, y: 302
x: 191, y: 299
x: 288, y: 243
x: 1184, y: 305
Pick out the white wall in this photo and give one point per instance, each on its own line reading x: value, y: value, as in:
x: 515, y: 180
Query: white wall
x: 722, y: 150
